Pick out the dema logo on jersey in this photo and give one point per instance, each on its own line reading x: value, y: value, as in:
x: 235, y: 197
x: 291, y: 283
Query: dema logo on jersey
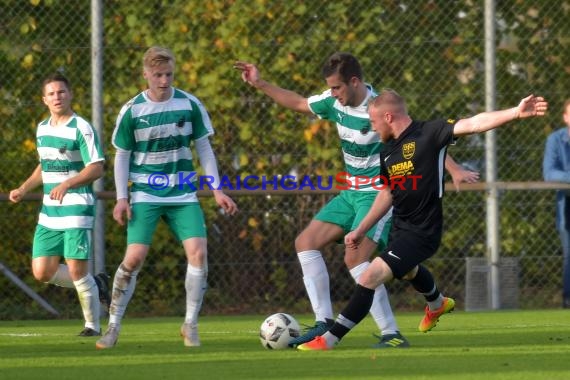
x: 408, y: 150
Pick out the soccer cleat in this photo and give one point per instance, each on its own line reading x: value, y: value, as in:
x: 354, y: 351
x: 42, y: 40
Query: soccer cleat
x: 311, y: 333
x: 317, y: 344
x: 430, y: 319
x: 190, y: 335
x: 109, y: 340
x: 396, y: 340
x: 102, y: 281
x: 89, y: 332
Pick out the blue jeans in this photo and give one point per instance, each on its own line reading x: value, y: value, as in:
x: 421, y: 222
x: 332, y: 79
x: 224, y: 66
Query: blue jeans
x: 565, y: 239
x: 563, y: 226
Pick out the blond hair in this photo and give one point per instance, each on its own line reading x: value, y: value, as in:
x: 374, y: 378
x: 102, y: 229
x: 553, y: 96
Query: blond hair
x: 157, y: 55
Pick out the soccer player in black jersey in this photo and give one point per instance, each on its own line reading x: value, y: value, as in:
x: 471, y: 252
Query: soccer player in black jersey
x: 412, y: 162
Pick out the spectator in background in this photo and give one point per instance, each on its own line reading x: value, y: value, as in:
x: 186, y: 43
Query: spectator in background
x: 556, y: 168
x: 71, y: 159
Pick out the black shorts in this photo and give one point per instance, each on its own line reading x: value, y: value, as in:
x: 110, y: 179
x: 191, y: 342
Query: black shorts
x: 407, y: 249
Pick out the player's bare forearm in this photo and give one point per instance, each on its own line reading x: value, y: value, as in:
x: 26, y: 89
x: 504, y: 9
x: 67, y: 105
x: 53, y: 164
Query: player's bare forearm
x: 33, y: 181
x: 88, y: 175
x: 382, y: 204
x: 459, y: 174
x: 530, y: 106
x: 286, y: 98
x: 450, y: 164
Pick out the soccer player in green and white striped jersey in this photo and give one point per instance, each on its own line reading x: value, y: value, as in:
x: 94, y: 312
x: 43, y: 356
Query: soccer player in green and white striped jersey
x: 152, y: 137
x: 71, y: 159
x: 344, y: 103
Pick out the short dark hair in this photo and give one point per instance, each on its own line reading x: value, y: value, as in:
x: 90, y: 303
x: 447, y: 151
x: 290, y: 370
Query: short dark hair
x: 56, y: 77
x: 345, y: 64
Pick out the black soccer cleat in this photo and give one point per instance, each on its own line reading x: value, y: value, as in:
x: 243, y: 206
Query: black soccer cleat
x: 102, y: 281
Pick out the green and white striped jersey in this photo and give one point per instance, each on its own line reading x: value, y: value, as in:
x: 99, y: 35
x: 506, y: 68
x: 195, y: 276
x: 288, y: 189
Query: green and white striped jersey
x: 63, y: 152
x: 360, y: 145
x: 158, y: 135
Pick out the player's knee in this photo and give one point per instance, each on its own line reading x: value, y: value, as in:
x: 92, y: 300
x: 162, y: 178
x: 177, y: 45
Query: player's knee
x: 42, y: 275
x: 77, y: 273
x: 303, y: 242
x: 200, y: 254
x: 377, y: 273
x: 351, y: 260
x: 354, y: 257
x: 411, y: 274
x: 372, y: 277
x: 197, y: 255
x: 131, y: 264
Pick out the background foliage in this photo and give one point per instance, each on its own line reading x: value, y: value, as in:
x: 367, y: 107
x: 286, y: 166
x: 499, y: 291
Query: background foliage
x: 431, y: 51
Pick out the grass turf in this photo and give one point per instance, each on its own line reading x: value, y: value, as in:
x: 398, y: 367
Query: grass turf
x: 484, y: 345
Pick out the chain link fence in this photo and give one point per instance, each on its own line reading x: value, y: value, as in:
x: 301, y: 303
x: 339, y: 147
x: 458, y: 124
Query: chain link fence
x: 432, y: 52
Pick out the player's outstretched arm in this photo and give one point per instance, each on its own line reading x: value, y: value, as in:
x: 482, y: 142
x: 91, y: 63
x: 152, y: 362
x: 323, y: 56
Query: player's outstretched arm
x: 530, y: 106
x: 286, y: 98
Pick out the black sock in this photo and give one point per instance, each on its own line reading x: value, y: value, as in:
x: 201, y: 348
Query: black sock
x: 425, y: 284
x: 354, y: 312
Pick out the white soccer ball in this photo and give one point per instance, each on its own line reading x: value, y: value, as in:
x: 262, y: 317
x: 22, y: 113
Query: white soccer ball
x: 277, y: 331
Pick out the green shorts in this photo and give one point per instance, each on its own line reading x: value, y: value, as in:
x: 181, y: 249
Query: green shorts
x: 74, y: 243
x: 349, y: 208
x: 185, y: 221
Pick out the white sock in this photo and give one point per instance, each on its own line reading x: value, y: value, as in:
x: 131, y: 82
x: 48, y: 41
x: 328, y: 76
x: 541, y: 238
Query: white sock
x: 89, y: 299
x: 435, y: 304
x: 195, y: 284
x: 124, y: 284
x: 316, y: 279
x: 380, y: 309
x: 330, y: 339
x: 62, y: 277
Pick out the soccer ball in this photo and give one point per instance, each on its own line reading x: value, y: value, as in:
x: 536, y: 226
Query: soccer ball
x: 277, y: 331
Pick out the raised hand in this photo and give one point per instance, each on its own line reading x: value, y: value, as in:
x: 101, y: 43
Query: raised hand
x: 532, y: 106
x: 249, y: 72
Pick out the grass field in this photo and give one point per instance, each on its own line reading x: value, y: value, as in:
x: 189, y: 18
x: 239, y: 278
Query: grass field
x: 487, y: 345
